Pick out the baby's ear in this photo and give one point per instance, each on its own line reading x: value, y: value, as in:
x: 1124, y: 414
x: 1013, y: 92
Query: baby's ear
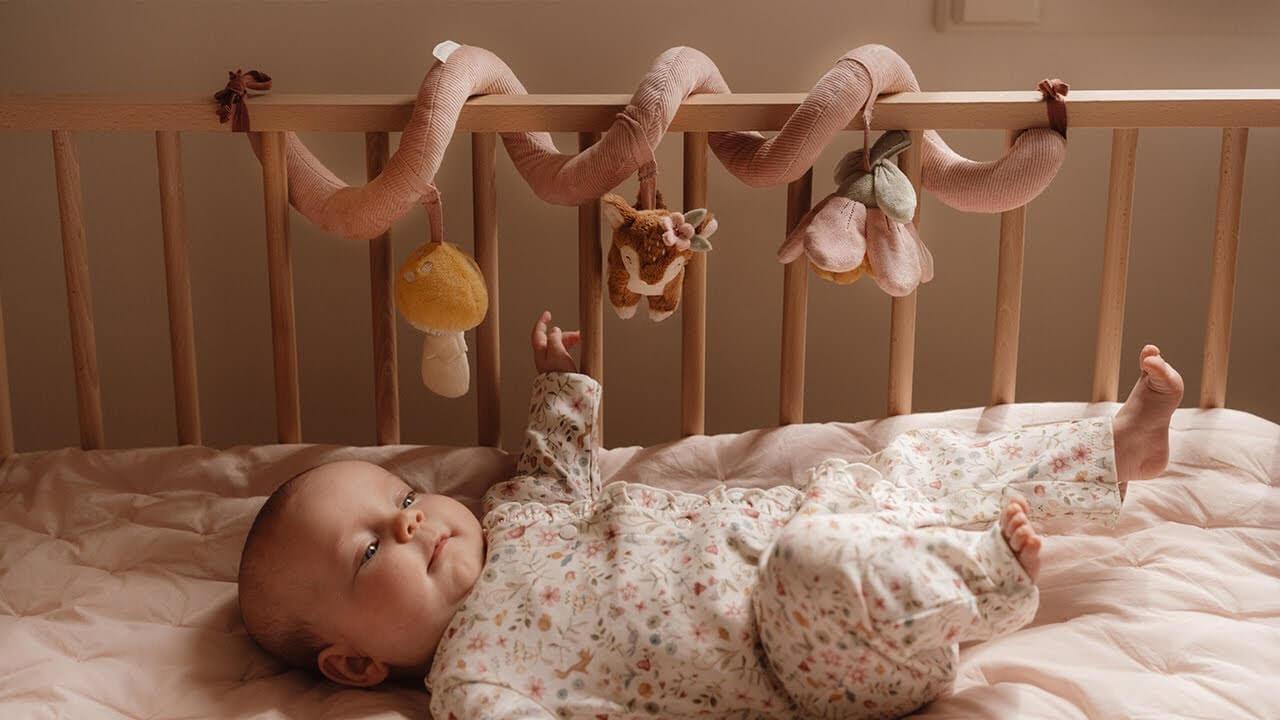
x: 342, y: 665
x: 617, y: 211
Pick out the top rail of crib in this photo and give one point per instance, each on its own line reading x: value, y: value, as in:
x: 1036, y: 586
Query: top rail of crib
x: 1010, y: 110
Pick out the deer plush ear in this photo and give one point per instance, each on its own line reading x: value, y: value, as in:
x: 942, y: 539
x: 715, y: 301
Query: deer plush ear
x: 617, y: 211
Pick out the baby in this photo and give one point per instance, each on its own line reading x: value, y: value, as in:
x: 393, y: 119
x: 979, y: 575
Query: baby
x: 844, y: 597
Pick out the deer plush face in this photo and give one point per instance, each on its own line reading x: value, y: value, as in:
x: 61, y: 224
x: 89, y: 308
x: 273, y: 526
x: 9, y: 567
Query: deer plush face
x: 649, y: 252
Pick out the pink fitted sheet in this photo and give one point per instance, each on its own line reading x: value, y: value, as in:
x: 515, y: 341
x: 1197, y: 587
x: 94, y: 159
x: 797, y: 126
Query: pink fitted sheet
x: 117, y: 593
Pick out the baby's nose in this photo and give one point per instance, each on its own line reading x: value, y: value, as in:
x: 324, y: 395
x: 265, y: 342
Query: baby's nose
x: 408, y: 523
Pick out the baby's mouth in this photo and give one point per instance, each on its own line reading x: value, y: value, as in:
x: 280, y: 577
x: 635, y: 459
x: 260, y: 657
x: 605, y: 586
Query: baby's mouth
x: 435, y: 552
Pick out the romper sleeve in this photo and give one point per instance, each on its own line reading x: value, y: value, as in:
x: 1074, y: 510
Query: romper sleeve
x: 558, y: 463
x: 485, y: 701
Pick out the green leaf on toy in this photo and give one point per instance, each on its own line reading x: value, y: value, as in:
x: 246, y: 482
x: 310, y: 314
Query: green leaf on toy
x: 693, y: 217
x: 699, y: 244
x: 859, y: 187
x: 848, y: 167
x: 893, y: 193
x: 889, y: 144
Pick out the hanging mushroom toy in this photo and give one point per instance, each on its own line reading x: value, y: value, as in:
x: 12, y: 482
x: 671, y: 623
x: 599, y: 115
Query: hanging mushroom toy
x: 440, y: 291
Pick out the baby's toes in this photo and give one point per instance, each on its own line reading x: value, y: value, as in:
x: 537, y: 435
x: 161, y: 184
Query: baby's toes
x: 1029, y: 555
x: 1011, y: 520
x: 1161, y: 375
x: 1022, y: 534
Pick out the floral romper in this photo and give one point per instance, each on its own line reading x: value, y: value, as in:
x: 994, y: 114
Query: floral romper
x: 844, y: 597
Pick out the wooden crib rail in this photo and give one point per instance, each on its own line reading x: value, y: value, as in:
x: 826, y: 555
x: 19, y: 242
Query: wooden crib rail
x: 998, y: 110
x: 1125, y: 111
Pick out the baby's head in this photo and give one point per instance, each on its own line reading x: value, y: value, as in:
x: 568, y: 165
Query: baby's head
x: 343, y: 570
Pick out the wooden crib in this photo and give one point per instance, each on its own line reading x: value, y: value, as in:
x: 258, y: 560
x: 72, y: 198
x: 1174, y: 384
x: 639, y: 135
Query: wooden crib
x: 1126, y: 111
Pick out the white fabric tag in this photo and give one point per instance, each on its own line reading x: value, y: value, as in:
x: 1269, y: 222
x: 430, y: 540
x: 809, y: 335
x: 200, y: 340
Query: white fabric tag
x: 444, y: 50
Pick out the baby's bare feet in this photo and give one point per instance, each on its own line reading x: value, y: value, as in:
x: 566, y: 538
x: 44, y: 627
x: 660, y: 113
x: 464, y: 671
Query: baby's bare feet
x: 1141, y: 426
x: 1022, y: 538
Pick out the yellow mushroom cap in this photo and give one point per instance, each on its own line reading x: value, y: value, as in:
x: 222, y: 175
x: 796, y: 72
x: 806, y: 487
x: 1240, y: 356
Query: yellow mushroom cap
x: 842, y: 278
x: 439, y: 288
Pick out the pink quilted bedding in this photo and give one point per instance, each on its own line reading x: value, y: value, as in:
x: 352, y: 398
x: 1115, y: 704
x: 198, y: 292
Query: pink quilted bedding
x: 117, y: 593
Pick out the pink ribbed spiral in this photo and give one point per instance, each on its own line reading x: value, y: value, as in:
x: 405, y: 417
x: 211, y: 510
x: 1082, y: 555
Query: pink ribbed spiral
x: 364, y: 212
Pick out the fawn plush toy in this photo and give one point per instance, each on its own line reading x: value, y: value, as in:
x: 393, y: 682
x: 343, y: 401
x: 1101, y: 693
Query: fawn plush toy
x: 648, y: 254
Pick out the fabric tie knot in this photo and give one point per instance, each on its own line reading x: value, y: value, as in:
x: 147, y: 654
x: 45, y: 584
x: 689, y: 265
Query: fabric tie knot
x: 1055, y: 97
x: 231, y: 99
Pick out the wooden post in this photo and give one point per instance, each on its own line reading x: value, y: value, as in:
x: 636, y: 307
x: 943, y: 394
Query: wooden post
x: 1115, y: 265
x: 177, y: 274
x: 284, y: 341
x: 1004, y: 364
x: 902, y: 318
x: 693, y: 301
x: 6, y: 411
x: 75, y: 265
x: 591, y: 290
x: 485, y: 224
x: 1222, y: 286
x: 795, y: 309
x: 386, y: 377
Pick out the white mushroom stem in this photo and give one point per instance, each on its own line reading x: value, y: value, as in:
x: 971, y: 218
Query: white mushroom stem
x: 444, y: 364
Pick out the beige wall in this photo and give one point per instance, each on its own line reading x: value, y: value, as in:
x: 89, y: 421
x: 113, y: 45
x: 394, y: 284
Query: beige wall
x: 587, y: 46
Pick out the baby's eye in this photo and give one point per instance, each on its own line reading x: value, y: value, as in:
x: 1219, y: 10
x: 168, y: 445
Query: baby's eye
x: 408, y: 499
x: 369, y: 551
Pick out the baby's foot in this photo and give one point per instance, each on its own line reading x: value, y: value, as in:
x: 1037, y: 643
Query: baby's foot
x: 1142, y: 426
x: 1022, y: 538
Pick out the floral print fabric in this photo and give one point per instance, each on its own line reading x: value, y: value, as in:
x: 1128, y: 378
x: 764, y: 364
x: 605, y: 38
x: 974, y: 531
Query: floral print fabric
x: 633, y: 601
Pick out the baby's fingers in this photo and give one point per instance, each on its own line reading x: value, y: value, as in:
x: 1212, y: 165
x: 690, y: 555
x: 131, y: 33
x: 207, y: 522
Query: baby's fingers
x: 539, y: 337
x: 555, y: 342
x: 572, y: 338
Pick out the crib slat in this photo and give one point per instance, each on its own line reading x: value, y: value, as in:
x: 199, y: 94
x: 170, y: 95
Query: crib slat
x: 386, y: 378
x: 1115, y: 264
x: 1222, y: 287
x: 1004, y: 364
x: 284, y: 341
x: 177, y: 275
x: 590, y: 280
x: 75, y: 265
x: 902, y: 318
x: 485, y: 225
x: 795, y: 309
x: 6, y: 411
x: 693, y: 301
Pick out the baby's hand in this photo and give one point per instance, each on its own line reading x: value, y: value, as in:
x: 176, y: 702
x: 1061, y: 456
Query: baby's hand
x: 551, y: 350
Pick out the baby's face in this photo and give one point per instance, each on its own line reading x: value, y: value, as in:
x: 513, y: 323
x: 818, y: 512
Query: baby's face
x: 389, y: 566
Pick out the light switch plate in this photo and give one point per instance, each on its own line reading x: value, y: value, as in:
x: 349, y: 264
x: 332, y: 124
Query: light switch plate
x: 985, y: 14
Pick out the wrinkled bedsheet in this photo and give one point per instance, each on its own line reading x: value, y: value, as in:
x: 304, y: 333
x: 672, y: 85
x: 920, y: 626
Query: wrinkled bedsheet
x: 117, y: 569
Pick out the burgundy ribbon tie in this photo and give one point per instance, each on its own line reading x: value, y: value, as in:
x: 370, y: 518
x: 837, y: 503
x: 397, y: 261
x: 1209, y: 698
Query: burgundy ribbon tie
x: 1054, y: 91
x: 231, y: 99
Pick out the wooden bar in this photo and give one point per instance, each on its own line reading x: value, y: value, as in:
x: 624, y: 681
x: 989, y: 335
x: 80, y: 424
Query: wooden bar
x: 1222, y: 285
x: 284, y: 341
x: 177, y: 275
x: 75, y: 265
x: 693, y: 301
x: 6, y: 410
x: 591, y: 290
x: 1004, y: 362
x: 484, y: 213
x: 386, y: 376
x: 590, y: 279
x: 902, y: 318
x: 795, y: 310
x: 1115, y: 265
x: 986, y: 110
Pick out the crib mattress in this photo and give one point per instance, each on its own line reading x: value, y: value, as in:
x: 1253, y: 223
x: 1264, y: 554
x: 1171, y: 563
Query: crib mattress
x: 118, y: 596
